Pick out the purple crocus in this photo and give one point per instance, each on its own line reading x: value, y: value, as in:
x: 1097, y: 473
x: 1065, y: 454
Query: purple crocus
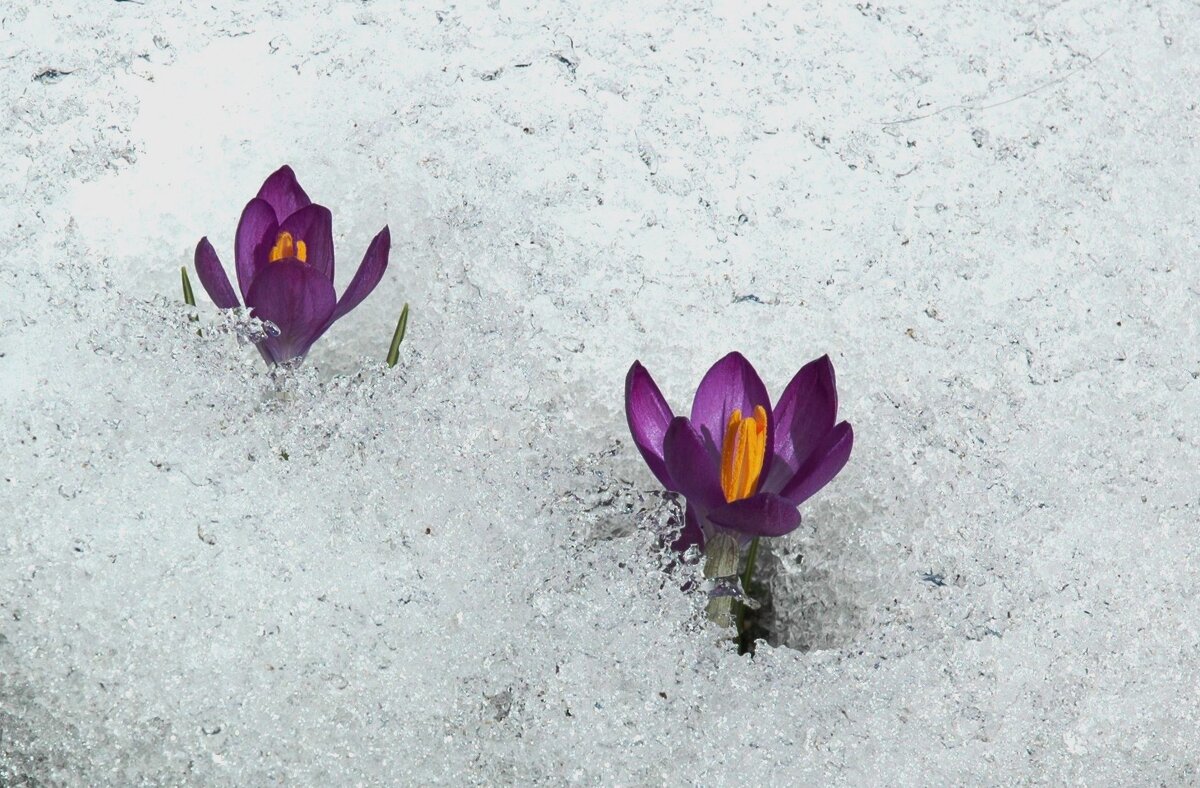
x: 284, y: 258
x: 743, y: 466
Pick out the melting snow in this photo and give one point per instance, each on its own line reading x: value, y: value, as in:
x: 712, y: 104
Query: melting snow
x: 447, y: 572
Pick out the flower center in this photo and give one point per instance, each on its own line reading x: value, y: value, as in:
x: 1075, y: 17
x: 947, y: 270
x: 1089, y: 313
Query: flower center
x: 286, y: 248
x: 742, y: 454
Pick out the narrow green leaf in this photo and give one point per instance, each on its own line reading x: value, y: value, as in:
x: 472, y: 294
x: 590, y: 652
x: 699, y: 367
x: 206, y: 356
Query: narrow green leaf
x: 189, y: 297
x: 401, y: 326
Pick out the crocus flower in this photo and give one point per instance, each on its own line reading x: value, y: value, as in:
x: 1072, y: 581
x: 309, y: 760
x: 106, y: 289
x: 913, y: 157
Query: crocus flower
x: 743, y: 466
x: 284, y: 258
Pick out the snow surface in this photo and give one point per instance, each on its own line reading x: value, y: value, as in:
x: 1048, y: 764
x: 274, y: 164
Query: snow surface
x: 446, y: 572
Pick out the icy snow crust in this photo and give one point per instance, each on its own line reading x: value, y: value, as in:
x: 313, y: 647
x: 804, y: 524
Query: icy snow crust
x: 446, y: 572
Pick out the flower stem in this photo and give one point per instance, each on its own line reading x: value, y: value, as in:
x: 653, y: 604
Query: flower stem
x: 720, y: 561
x: 189, y: 297
x: 751, y: 557
x: 401, y: 326
x: 747, y: 576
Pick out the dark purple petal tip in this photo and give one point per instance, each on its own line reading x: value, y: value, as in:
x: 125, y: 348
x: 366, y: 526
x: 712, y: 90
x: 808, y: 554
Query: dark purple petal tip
x: 370, y: 272
x: 212, y: 275
x: 730, y: 384
x: 823, y: 464
x: 283, y: 193
x: 256, y: 232
x: 648, y: 415
x: 805, y: 412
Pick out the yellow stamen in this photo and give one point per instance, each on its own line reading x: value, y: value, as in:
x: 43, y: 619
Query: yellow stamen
x: 742, y: 454
x: 285, y: 248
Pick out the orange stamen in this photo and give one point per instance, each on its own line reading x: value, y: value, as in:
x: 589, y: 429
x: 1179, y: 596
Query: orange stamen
x: 286, y: 248
x: 742, y: 454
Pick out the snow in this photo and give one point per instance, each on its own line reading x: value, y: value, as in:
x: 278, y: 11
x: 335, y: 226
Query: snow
x: 447, y: 572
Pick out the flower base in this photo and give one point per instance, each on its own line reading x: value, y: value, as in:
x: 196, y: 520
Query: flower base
x: 720, y: 566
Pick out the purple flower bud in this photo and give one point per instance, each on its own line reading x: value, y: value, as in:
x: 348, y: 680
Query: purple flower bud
x: 743, y: 466
x: 283, y: 254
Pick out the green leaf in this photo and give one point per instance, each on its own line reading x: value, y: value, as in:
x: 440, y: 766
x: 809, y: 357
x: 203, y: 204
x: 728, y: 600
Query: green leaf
x: 401, y: 326
x: 189, y: 297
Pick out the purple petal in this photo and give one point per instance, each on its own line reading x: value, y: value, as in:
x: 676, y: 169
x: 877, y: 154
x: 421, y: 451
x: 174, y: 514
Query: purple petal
x: 806, y: 412
x: 692, y: 533
x: 760, y: 515
x: 370, y: 271
x: 295, y: 298
x: 213, y: 277
x: 313, y: 224
x: 693, y: 470
x: 825, y: 462
x: 283, y: 193
x: 731, y: 384
x: 648, y: 415
x: 256, y: 233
